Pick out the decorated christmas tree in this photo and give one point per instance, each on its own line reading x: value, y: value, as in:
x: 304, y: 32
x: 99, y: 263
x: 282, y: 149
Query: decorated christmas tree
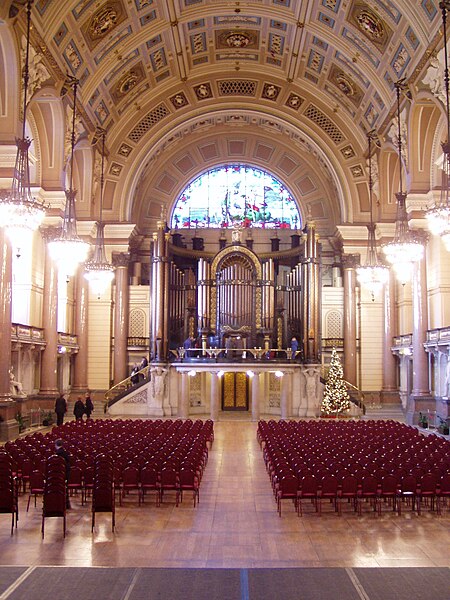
x: 335, y: 397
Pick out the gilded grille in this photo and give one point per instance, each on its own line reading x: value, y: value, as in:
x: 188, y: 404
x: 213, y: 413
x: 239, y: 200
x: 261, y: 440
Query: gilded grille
x: 317, y: 116
x: 237, y: 87
x: 153, y: 117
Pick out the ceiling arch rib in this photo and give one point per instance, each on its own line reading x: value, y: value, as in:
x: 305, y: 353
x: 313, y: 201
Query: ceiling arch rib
x: 285, y: 152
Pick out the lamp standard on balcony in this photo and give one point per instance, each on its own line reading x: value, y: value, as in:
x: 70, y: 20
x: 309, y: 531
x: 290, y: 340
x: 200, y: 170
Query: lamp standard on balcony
x: 68, y: 250
x: 20, y: 213
x: 404, y: 250
x: 373, y: 275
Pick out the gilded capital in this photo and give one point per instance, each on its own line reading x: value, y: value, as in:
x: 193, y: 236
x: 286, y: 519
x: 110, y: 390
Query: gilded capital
x: 120, y: 259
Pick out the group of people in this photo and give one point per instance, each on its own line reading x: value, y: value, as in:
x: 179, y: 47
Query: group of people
x: 135, y: 376
x: 80, y: 408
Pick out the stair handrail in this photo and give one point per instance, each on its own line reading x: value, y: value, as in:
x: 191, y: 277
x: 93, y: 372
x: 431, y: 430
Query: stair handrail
x: 124, y: 384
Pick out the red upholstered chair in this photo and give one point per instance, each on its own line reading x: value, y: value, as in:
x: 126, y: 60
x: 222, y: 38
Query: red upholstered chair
x: 37, y: 485
x: 54, y: 503
x: 308, y: 490
x: 287, y: 488
x: 348, y: 489
x: 149, y: 481
x: 169, y: 482
x: 443, y: 494
x: 75, y: 482
x: 189, y: 481
x: 407, y: 492
x: 388, y: 492
x: 427, y: 490
x: 328, y: 490
x: 130, y: 482
x: 367, y: 491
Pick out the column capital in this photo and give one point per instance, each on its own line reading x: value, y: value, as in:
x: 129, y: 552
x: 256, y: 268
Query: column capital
x: 120, y: 259
x: 350, y: 261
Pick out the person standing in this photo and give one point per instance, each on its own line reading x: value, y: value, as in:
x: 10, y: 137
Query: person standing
x: 134, y: 374
x: 89, y: 405
x: 142, y: 365
x: 79, y: 409
x: 294, y: 346
x: 60, y: 409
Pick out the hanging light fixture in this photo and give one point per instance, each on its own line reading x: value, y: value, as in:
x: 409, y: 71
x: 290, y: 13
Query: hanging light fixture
x: 20, y: 213
x: 405, y: 250
x: 373, y: 275
x: 438, y: 216
x: 99, y: 272
x: 68, y: 250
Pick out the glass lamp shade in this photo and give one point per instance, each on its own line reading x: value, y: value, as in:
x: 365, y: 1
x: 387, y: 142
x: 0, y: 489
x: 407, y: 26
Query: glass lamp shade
x: 402, y: 256
x: 373, y: 278
x: 98, y: 271
x: 438, y: 219
x: 68, y: 253
x: 99, y: 275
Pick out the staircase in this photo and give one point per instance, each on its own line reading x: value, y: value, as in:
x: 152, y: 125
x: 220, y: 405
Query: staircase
x: 384, y: 411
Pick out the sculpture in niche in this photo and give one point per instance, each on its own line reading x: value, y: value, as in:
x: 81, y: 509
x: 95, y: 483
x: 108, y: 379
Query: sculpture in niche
x: 15, y: 387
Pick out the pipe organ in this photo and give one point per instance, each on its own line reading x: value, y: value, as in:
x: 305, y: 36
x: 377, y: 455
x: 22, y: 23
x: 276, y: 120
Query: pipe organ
x: 235, y: 294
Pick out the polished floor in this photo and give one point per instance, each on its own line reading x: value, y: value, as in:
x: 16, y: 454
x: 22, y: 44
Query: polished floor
x: 236, y: 525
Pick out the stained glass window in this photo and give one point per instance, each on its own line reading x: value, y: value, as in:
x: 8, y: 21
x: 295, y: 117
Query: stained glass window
x: 235, y: 195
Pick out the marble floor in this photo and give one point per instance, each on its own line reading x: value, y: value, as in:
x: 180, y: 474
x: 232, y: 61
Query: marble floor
x: 235, y: 525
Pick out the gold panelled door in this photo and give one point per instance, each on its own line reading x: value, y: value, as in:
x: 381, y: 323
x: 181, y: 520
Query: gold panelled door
x: 235, y: 391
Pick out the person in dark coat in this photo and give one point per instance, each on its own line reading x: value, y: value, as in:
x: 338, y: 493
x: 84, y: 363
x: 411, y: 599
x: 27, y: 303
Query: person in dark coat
x: 79, y: 409
x: 134, y: 375
x: 61, y: 451
x: 88, y: 404
x: 60, y: 409
x: 142, y: 365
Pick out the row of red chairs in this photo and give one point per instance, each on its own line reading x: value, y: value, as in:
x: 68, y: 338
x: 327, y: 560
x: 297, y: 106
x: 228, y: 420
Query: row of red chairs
x: 295, y: 452
x: 390, y: 491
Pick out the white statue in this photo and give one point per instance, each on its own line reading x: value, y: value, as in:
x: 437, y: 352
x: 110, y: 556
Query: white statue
x: 158, y: 378
x: 311, y: 385
x: 37, y: 71
x: 15, y: 387
x: 434, y: 76
x: 447, y: 379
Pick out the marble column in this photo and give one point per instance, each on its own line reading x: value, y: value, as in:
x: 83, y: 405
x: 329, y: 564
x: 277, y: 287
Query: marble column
x: 389, y: 392
x: 80, y: 373
x: 5, y: 314
x: 285, y: 396
x: 350, y: 262
x: 160, y: 293
x: 311, y: 297
x: 49, y: 361
x: 419, y: 333
x: 256, y: 411
x: 183, y: 400
x: 9, y: 428
x: 121, y: 315
x: 214, y: 405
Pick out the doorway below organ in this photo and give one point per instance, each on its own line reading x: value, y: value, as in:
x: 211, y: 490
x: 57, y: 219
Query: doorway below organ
x: 235, y: 388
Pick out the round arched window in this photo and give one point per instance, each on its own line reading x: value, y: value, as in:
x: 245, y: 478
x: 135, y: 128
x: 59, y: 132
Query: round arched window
x: 235, y: 195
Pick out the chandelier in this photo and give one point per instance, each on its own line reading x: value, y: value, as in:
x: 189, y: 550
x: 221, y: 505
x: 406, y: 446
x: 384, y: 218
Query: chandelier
x: 20, y: 213
x: 68, y: 250
x: 98, y: 271
x: 373, y: 275
x: 405, y: 250
x: 438, y: 216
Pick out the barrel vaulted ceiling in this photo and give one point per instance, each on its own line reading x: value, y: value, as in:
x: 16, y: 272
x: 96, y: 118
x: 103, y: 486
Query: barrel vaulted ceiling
x: 292, y: 86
